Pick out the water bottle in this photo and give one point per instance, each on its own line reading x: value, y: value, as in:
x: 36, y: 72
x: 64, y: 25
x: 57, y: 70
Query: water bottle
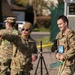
x: 56, y: 64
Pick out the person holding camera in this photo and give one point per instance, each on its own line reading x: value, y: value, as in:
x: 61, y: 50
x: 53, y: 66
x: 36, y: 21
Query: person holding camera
x: 65, y: 47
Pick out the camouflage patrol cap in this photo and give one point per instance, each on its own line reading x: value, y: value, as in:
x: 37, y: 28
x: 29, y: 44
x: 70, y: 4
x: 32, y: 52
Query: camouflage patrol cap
x: 10, y: 19
x: 27, y: 25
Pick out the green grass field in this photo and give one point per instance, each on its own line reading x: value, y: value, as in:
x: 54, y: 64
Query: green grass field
x: 41, y: 29
x: 46, y: 43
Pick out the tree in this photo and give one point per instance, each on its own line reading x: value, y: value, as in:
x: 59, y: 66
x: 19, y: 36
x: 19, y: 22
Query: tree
x: 56, y: 12
x: 21, y: 2
x: 38, y: 5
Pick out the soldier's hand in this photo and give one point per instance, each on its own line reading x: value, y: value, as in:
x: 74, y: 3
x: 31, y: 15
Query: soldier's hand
x: 34, y: 58
x: 61, y: 57
x: 1, y: 36
x: 58, y: 56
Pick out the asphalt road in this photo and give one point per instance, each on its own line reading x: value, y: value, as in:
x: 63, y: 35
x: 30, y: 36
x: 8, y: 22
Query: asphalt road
x: 36, y: 35
x: 48, y: 59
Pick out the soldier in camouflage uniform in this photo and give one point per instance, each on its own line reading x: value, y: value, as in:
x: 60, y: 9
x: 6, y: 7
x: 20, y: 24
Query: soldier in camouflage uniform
x: 26, y: 51
x: 6, y: 47
x: 66, y: 38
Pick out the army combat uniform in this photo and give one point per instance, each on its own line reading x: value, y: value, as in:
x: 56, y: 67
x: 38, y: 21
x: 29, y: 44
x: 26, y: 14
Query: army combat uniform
x: 68, y: 42
x: 6, y: 51
x: 25, y: 47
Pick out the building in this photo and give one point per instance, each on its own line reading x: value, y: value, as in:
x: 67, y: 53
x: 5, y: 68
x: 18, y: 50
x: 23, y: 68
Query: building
x: 69, y: 11
x: 21, y: 13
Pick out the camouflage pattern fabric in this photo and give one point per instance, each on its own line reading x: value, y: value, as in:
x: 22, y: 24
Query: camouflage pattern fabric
x: 6, y: 51
x: 68, y: 70
x: 19, y: 72
x: 68, y: 41
x: 10, y: 19
x: 22, y: 60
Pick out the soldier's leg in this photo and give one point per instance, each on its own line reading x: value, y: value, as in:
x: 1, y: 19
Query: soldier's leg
x: 14, y: 72
x: 26, y: 73
x: 3, y: 70
x: 67, y: 71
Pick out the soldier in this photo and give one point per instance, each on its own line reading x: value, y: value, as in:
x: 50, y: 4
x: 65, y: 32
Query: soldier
x: 6, y: 47
x: 26, y: 51
x: 65, y: 40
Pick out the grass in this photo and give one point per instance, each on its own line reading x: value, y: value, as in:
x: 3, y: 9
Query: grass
x: 46, y: 43
x: 42, y: 29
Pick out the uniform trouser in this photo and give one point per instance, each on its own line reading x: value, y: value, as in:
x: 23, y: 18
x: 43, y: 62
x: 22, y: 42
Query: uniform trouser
x: 4, y: 70
x: 67, y: 70
x: 16, y: 72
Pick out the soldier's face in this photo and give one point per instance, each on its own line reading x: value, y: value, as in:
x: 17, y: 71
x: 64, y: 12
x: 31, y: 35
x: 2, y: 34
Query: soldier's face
x: 7, y: 24
x: 25, y: 32
x: 62, y: 25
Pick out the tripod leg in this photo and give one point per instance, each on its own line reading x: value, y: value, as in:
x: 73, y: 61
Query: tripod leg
x: 45, y: 66
x: 37, y: 66
x: 41, y: 66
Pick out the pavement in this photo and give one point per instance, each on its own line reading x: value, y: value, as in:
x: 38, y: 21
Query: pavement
x: 48, y: 59
x: 40, y: 33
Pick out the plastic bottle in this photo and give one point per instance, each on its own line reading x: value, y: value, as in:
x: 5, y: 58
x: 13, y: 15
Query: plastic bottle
x: 56, y: 64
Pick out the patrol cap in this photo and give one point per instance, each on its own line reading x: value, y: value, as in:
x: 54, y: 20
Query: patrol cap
x: 27, y: 25
x: 10, y: 19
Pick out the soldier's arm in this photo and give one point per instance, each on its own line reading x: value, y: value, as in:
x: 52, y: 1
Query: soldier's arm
x: 34, y: 55
x: 35, y: 49
x: 71, y: 52
x: 10, y: 37
x: 1, y: 33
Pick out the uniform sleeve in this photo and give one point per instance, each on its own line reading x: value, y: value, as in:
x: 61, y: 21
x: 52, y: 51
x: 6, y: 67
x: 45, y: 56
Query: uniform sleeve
x: 71, y: 52
x: 2, y: 32
x: 11, y: 37
x: 35, y: 50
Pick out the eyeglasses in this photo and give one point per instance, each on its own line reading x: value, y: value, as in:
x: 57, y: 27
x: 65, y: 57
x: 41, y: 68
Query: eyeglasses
x: 25, y: 29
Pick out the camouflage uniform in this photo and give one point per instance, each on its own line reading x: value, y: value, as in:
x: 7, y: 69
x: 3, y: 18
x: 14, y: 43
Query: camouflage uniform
x: 68, y: 41
x: 21, y: 62
x: 6, y: 50
x: 22, y: 55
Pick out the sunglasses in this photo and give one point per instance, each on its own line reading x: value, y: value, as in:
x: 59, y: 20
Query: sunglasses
x: 25, y: 29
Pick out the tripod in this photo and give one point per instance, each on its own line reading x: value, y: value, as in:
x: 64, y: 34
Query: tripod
x: 41, y: 61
